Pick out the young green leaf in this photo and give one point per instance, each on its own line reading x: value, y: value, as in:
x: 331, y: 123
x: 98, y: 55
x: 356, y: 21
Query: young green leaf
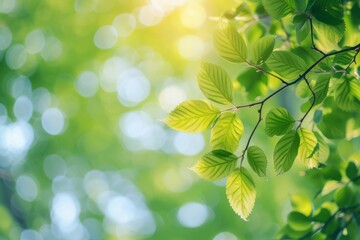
x: 329, y: 12
x: 192, y: 116
x: 324, y: 150
x: 308, y: 148
x: 279, y: 8
x: 257, y: 160
x: 302, y: 27
x: 347, y: 94
x: 278, y: 122
x: 286, y: 64
x: 321, y: 89
x: 215, y: 165
x: 254, y: 83
x: 261, y: 49
x: 286, y: 151
x: 328, y: 35
x: 227, y: 132
x: 215, y: 83
x: 229, y: 44
x: 241, y: 193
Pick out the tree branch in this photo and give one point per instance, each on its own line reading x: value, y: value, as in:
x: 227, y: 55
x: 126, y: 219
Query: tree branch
x: 266, y: 72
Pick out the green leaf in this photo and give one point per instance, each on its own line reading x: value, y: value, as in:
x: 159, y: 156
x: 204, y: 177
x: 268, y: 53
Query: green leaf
x: 302, y: 204
x: 347, y: 94
x: 351, y: 170
x: 278, y: 122
x: 261, y: 49
x: 215, y: 165
x: 192, y: 116
x: 285, y: 152
x: 227, y: 132
x: 257, y: 160
x: 215, y: 83
x: 321, y: 89
x: 229, y: 44
x: 286, y: 64
x: 324, y: 150
x: 343, y: 59
x: 322, y: 215
x: 302, y: 27
x: 278, y: 8
x: 343, y: 196
x: 328, y: 36
x: 330, y: 12
x: 298, y: 221
x: 241, y: 193
x: 302, y: 90
x: 308, y: 148
x: 255, y: 83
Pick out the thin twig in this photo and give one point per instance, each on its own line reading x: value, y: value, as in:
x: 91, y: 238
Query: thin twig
x: 312, y: 104
x: 312, y: 37
x: 252, y: 134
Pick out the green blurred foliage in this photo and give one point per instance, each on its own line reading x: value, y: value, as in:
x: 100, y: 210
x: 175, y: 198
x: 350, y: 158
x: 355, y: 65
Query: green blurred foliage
x: 84, y: 85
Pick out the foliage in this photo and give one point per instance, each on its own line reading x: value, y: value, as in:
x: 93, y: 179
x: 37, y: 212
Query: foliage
x: 326, y: 77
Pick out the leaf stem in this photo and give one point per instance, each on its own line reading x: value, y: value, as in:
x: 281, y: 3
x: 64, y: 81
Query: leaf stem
x: 266, y: 72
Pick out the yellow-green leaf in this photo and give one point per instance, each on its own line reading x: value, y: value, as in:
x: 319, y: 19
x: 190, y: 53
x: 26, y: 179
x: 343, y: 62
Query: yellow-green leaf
x: 278, y: 8
x: 285, y: 152
x: 215, y: 83
x: 227, y: 132
x: 278, y: 122
x: 324, y: 150
x: 261, y: 49
x: 192, y: 116
x: 229, y: 43
x: 241, y: 193
x: 215, y: 165
x: 257, y: 160
x: 308, y: 148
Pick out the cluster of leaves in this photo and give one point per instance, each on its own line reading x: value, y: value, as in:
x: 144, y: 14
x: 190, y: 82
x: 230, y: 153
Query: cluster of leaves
x: 334, y: 213
x: 328, y: 82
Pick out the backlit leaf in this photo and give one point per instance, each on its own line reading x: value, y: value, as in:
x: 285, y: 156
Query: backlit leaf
x: 254, y: 82
x: 286, y: 151
x: 215, y: 165
x: 347, y: 94
x: 286, y: 64
x: 257, y: 160
x: 241, y: 193
x: 192, y: 116
x: 227, y: 132
x: 261, y: 49
x: 229, y: 43
x: 308, y: 148
x: 278, y: 122
x: 279, y: 8
x: 215, y: 83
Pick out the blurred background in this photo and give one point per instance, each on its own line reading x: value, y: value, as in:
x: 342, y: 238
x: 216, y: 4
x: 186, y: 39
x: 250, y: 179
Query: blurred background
x: 84, y: 85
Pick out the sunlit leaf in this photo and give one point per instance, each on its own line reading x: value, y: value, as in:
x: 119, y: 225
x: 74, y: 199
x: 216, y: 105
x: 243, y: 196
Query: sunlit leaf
x: 324, y: 150
x: 215, y: 83
x: 229, y: 43
x: 279, y: 8
x: 241, y: 193
x: 278, y: 122
x: 347, y: 94
x: 308, y: 148
x: 285, y: 152
x: 192, y: 116
x: 261, y: 49
x: 286, y: 64
x: 328, y: 36
x: 257, y: 160
x: 302, y: 27
x: 215, y: 165
x: 227, y: 132
x: 302, y: 204
x: 321, y: 89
